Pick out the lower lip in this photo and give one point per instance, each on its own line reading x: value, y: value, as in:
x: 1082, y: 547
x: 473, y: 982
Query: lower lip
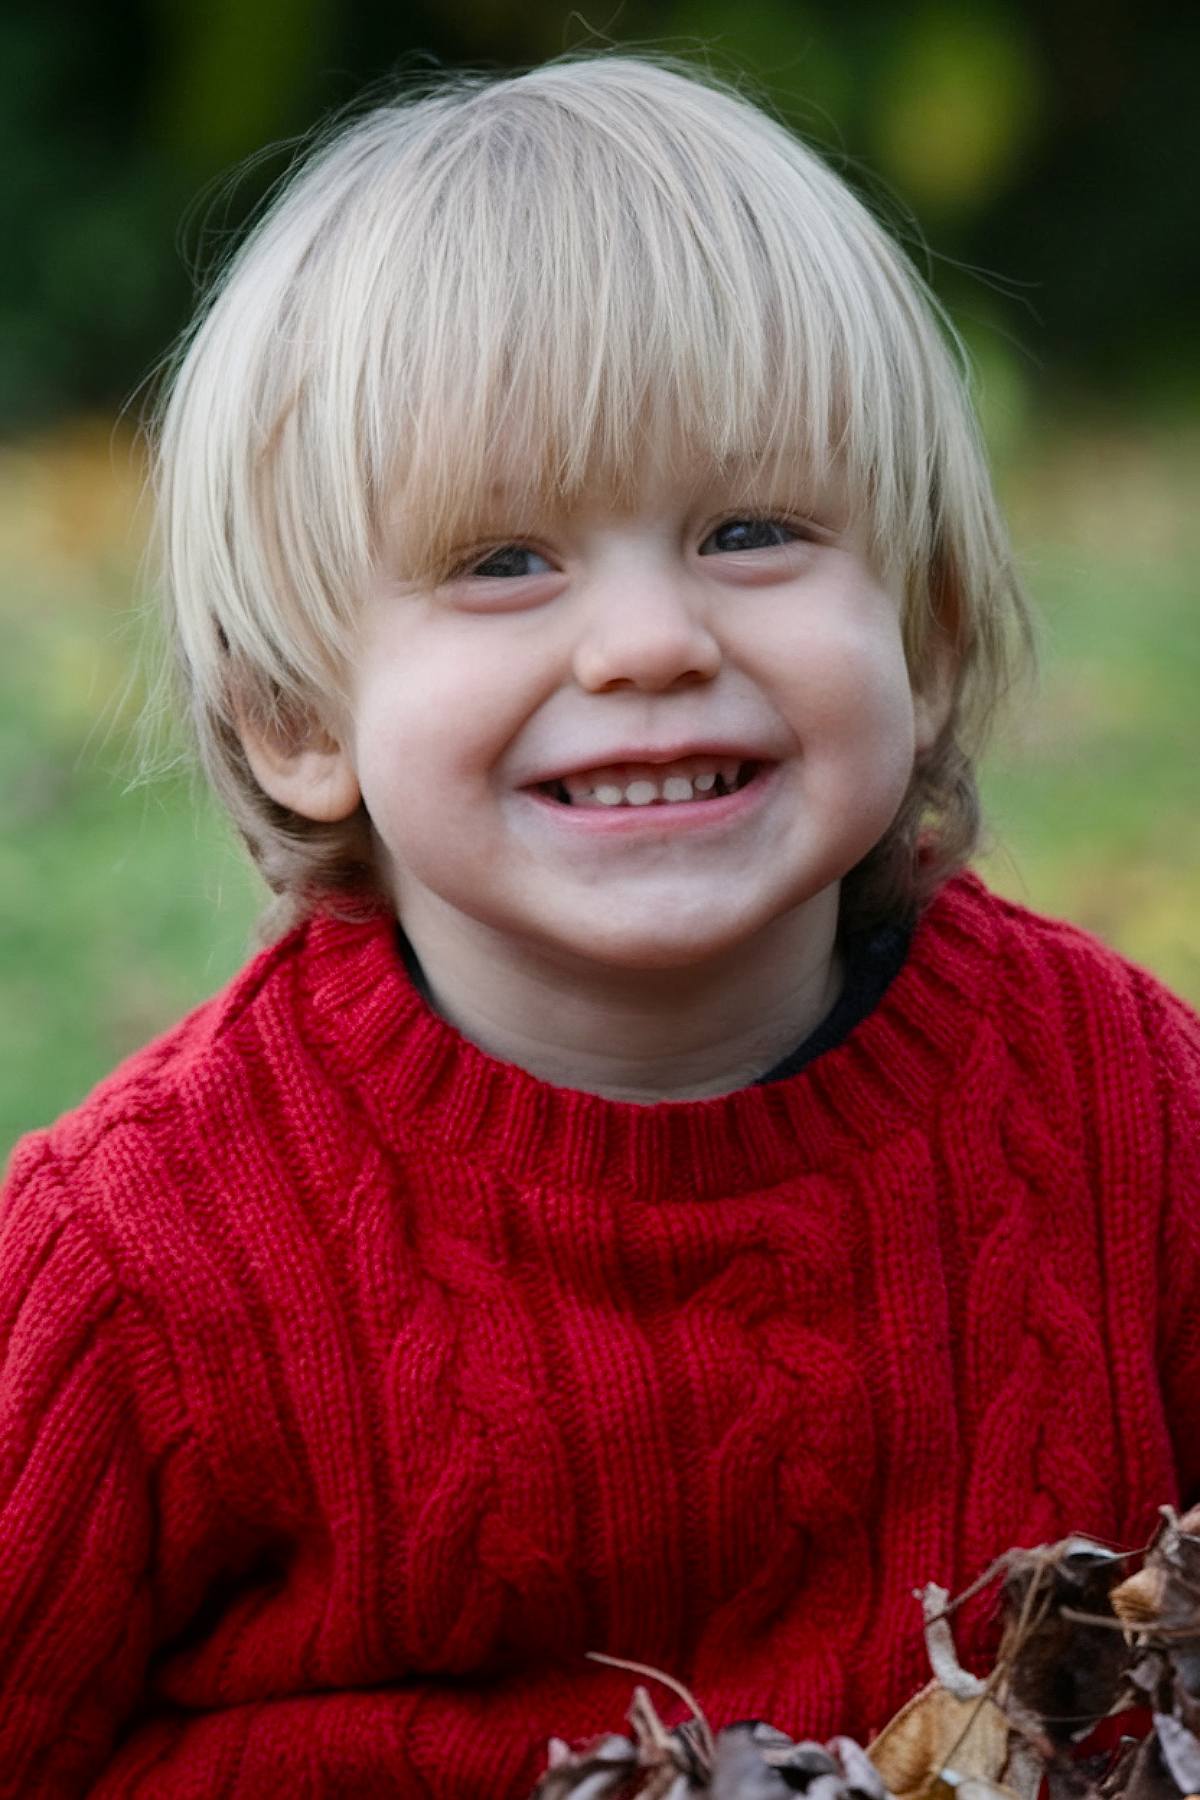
x: 662, y: 818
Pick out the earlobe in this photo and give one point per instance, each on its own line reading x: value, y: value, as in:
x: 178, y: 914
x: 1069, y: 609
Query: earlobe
x: 934, y: 699
x: 314, y: 778
x: 931, y: 708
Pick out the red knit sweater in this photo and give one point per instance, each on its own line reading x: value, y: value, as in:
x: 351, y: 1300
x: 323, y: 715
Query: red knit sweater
x: 355, y: 1384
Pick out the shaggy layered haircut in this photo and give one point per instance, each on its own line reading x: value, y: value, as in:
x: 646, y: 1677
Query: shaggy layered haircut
x: 557, y: 276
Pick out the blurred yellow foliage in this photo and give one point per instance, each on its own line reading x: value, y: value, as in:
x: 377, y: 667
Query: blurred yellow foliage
x: 70, y: 505
x: 958, y: 102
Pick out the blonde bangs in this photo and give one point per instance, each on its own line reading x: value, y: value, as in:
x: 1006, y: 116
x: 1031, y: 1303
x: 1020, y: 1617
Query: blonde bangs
x: 605, y: 282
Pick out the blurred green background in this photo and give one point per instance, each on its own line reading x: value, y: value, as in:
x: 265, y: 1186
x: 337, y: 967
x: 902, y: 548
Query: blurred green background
x: 1047, y: 151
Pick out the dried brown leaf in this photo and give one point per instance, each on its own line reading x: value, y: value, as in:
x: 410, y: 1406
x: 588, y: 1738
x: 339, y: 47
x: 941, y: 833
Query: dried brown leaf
x: 1180, y: 1752
x: 860, y: 1776
x: 1141, y: 1775
x: 1161, y: 1603
x: 975, y: 1787
x: 604, y: 1770
x: 1139, y: 1600
x: 1024, y: 1771
x: 937, y: 1731
x: 739, y: 1772
x: 1059, y: 1666
x: 939, y: 1646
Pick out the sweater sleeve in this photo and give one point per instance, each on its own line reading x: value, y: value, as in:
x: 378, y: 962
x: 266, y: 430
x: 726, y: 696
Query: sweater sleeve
x: 1175, y: 1041
x: 77, y: 1384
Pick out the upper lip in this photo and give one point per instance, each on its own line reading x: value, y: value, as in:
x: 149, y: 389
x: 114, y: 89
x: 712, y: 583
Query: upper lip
x: 719, y: 750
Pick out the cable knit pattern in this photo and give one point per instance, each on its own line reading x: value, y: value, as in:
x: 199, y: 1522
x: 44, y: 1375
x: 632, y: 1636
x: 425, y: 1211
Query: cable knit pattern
x: 355, y: 1385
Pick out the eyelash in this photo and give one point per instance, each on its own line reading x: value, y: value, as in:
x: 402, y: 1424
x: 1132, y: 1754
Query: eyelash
x: 789, y: 526
x: 475, y: 564
x: 472, y: 565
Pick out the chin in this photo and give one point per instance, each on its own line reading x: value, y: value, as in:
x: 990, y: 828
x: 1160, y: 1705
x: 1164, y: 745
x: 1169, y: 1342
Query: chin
x: 662, y: 939
x: 647, y: 955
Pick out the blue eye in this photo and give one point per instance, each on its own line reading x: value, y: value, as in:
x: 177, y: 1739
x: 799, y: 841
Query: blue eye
x: 510, y: 562
x: 747, y: 534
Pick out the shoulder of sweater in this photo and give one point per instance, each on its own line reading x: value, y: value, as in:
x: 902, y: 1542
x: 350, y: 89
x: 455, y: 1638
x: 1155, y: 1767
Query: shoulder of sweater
x: 1024, y: 960
x: 149, y: 1083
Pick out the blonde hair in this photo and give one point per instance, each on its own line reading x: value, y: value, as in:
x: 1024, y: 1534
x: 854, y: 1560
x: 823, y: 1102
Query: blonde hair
x: 559, y: 274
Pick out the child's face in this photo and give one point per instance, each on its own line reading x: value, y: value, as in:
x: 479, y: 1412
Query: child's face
x: 607, y: 658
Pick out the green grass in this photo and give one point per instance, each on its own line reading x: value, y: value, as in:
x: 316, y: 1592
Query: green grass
x: 125, y: 905
x: 1095, y: 796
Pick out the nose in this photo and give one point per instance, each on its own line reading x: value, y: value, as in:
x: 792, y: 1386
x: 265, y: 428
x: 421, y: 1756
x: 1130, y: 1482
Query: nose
x: 645, y: 629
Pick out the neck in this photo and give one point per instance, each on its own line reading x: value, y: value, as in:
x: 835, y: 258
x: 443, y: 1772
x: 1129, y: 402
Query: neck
x: 641, y: 1035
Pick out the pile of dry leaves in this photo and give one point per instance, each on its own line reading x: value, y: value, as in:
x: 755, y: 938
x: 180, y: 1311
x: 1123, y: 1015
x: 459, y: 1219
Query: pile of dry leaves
x: 1095, y: 1696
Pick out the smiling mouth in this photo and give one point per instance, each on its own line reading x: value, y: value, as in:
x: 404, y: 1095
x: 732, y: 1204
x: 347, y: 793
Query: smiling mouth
x: 672, y: 785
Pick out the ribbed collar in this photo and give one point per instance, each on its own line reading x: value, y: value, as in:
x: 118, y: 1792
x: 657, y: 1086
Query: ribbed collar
x: 424, y: 1085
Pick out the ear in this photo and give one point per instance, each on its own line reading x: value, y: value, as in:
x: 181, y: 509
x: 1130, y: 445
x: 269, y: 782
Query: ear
x: 312, y: 776
x: 933, y: 698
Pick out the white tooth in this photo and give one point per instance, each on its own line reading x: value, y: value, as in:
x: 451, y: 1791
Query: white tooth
x: 729, y: 773
x: 677, y: 787
x: 641, y: 793
x: 703, y: 782
x: 608, y: 794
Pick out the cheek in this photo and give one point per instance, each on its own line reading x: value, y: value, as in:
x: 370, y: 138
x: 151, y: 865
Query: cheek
x: 850, y: 706
x: 848, y: 682
x: 428, y: 732
x: 878, y: 708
